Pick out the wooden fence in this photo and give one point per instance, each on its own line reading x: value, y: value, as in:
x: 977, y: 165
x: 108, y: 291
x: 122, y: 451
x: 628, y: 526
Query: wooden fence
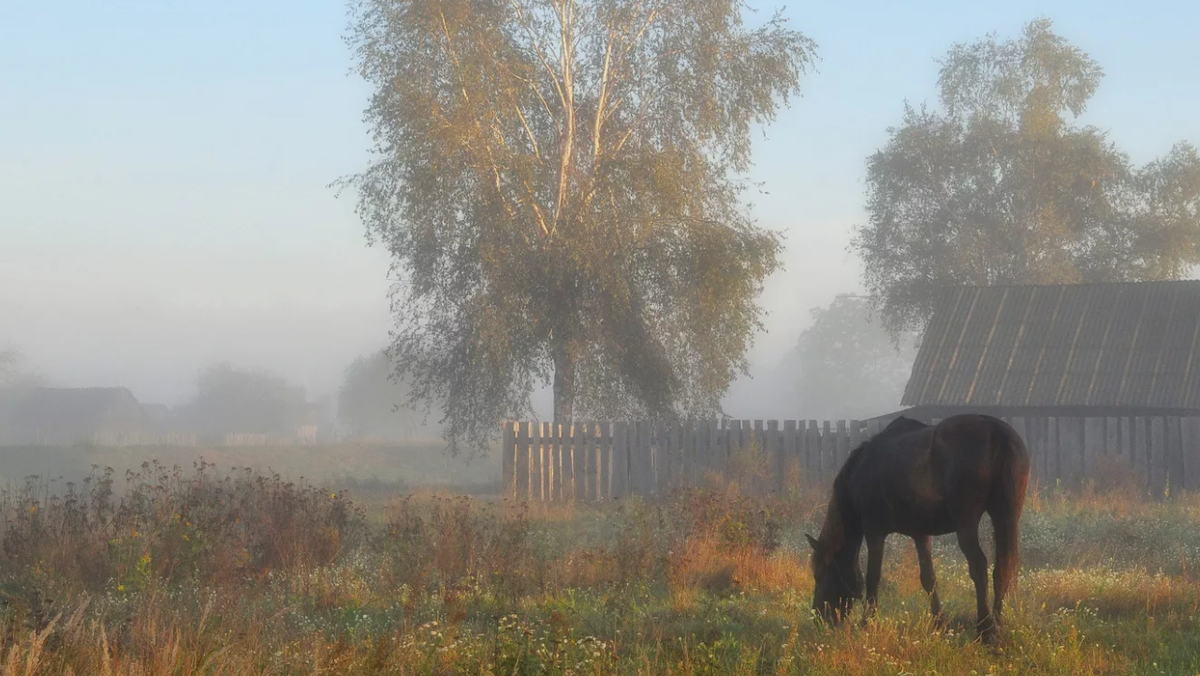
x: 602, y: 461
x: 126, y: 439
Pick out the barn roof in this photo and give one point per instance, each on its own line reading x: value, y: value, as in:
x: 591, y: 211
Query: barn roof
x: 1130, y: 345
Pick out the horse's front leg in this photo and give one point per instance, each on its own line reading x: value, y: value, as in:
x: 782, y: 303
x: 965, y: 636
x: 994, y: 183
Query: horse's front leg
x: 968, y: 541
x: 874, y: 572
x: 928, y: 578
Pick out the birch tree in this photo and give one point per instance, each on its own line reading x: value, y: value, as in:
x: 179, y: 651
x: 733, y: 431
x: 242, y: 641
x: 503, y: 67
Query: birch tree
x: 1001, y: 185
x: 560, y: 185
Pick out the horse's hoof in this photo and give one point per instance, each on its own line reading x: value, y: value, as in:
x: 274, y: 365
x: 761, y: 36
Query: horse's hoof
x: 988, y: 632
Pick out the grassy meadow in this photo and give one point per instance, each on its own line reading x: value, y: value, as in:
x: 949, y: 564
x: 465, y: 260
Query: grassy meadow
x: 203, y: 570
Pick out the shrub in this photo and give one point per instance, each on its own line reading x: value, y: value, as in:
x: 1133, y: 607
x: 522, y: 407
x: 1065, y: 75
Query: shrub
x: 168, y: 526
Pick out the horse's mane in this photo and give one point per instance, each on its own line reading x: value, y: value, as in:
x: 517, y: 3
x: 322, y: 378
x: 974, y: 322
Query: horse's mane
x: 833, y: 530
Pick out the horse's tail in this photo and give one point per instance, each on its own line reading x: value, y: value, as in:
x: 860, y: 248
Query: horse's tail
x: 1011, y: 478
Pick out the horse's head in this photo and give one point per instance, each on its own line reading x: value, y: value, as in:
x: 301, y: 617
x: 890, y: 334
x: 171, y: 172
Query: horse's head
x: 837, y: 582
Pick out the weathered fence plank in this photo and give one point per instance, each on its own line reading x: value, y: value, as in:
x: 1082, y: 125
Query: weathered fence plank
x: 1191, y: 453
x: 1158, y: 457
x: 1174, y: 454
x: 620, y: 460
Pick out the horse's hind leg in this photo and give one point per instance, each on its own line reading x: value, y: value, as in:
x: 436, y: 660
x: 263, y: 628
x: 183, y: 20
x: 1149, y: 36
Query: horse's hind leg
x: 968, y: 541
x: 928, y: 578
x: 874, y: 572
x: 1005, y: 570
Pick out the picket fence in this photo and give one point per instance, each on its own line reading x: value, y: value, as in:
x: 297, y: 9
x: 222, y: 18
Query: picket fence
x: 548, y: 462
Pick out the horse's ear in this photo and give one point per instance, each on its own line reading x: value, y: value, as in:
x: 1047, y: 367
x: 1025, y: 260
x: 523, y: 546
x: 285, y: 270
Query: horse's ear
x: 813, y: 542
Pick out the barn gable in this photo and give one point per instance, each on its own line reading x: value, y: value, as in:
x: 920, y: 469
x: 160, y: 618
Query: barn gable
x: 1112, y: 346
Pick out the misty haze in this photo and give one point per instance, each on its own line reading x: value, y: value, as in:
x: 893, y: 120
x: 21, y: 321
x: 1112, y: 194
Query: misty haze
x: 599, y: 336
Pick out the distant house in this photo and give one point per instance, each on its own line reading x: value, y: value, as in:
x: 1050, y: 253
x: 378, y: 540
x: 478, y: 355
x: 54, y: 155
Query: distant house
x: 1121, y: 349
x: 69, y: 416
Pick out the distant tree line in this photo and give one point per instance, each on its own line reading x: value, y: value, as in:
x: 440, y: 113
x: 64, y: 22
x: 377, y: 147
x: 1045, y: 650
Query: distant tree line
x: 999, y: 185
x: 233, y: 400
x: 374, y: 402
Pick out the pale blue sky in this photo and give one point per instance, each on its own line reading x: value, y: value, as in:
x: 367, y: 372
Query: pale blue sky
x: 164, y: 170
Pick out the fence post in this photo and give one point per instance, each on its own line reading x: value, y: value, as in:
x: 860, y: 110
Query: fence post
x: 583, y: 460
x: 1141, y: 448
x: 604, y: 462
x: 1158, y: 457
x: 790, y: 455
x: 1189, y: 443
x: 712, y: 445
x: 524, y: 469
x: 620, y: 460
x: 829, y: 449
x: 508, y: 457
x: 812, y: 447
x: 1174, y: 443
x: 775, y: 459
x: 645, y: 456
x: 662, y: 458
x: 687, y: 453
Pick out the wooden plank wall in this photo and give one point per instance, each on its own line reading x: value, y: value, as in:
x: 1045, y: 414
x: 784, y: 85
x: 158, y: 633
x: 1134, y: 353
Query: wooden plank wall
x: 553, y: 462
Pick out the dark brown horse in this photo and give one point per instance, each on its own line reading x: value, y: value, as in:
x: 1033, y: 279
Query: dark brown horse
x: 920, y: 480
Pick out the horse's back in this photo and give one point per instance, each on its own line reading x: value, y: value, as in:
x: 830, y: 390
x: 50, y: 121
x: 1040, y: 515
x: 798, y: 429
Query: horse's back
x: 920, y: 478
x: 986, y: 461
x: 982, y: 437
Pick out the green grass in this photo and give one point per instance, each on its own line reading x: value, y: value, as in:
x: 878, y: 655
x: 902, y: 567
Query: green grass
x: 281, y: 577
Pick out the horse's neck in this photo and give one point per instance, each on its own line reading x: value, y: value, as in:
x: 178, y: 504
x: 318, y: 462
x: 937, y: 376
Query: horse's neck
x: 842, y: 529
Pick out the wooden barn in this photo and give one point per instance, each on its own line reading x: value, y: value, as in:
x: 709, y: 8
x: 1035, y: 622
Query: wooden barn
x: 70, y: 416
x: 1089, y: 373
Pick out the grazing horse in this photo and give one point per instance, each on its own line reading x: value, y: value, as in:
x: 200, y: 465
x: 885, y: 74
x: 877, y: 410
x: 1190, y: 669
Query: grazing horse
x: 921, y: 480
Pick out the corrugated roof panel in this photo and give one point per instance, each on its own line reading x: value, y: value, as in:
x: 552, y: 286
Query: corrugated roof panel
x: 1106, y: 382
x: 1184, y: 343
x: 1146, y: 349
x: 1190, y: 388
x: 1137, y: 303
x: 1060, y: 345
x: 1040, y: 323
x: 975, y: 343
x: 1077, y: 349
x: 1007, y: 340
x: 951, y: 359
x: 1094, y: 344
x: 1167, y: 379
x: 1089, y: 346
x: 1036, y: 343
x: 936, y: 337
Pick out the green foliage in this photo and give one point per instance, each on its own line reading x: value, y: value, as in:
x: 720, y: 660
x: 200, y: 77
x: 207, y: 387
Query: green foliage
x: 557, y: 182
x: 230, y: 399
x: 848, y: 365
x: 999, y: 187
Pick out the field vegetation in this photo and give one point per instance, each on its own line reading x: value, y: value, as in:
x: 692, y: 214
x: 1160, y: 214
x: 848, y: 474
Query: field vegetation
x: 163, y: 570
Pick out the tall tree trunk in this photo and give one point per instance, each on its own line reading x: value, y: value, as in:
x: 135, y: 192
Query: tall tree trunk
x: 564, y: 382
